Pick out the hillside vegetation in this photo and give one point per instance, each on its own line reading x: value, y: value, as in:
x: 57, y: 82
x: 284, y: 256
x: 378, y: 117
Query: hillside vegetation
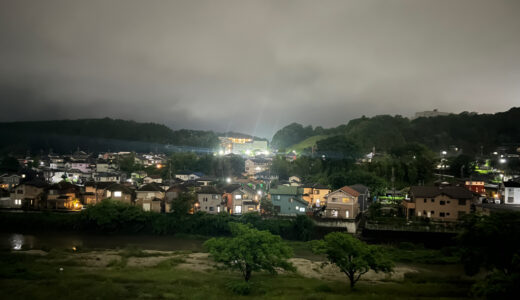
x: 97, y: 135
x: 468, y: 131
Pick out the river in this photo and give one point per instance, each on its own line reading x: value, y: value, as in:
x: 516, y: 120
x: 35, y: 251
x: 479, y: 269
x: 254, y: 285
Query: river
x: 67, y: 240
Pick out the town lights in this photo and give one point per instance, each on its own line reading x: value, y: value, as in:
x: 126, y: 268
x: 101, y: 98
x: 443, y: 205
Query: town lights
x: 159, y: 166
x: 444, y: 152
x: 502, y: 160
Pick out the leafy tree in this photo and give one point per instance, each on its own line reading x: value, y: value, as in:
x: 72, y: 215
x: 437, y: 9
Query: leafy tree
x: 250, y: 250
x: 267, y: 207
x: 183, y: 203
x: 290, y: 135
x: 493, y: 243
x: 303, y: 227
x: 352, y: 256
x: 9, y: 164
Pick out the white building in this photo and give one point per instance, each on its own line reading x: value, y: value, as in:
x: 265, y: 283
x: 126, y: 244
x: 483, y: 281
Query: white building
x: 511, y: 192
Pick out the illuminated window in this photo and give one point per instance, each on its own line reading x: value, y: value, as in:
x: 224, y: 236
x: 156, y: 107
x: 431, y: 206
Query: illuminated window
x: 346, y: 200
x: 238, y: 197
x: 117, y: 194
x: 334, y: 213
x: 302, y: 209
x: 18, y: 202
x: 347, y: 214
x: 238, y: 209
x: 218, y: 208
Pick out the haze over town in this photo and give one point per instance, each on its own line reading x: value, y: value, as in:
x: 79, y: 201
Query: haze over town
x: 255, y: 66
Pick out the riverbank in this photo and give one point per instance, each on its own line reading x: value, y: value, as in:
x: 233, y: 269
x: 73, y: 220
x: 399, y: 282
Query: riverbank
x: 132, y: 273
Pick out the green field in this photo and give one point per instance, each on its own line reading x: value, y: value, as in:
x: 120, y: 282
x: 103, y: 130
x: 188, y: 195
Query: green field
x: 137, y: 274
x: 307, y: 143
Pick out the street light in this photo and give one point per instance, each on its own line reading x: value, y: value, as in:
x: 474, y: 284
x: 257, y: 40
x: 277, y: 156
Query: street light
x: 502, y: 160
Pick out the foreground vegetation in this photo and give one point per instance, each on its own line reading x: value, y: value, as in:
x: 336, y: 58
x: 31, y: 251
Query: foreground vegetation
x: 34, y: 276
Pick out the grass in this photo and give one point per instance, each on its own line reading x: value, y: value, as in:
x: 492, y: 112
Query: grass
x: 307, y: 143
x: 38, y: 277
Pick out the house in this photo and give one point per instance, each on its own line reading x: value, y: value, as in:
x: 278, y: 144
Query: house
x: 107, y: 177
x: 29, y: 194
x: 287, y: 200
x: 265, y: 175
x: 364, y: 199
x: 295, y: 180
x: 63, y: 195
x: 185, y: 176
x: 256, y: 165
x: 211, y: 200
x: 241, y: 199
x: 511, y: 192
x: 5, y: 200
x: 476, y: 186
x: 9, y: 181
x: 150, y: 197
x: 314, y: 194
x: 448, y: 203
x: 105, y: 190
x: 342, y: 204
x: 205, y: 181
x: 152, y: 178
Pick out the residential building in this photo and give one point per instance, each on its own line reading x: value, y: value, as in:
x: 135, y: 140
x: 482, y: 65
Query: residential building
x: 447, y: 203
x: 211, y: 200
x: 476, y: 186
x: 150, y: 197
x: 9, y: 181
x: 256, y: 165
x: 105, y: 190
x: 287, y: 200
x: 185, y: 176
x: 511, y: 192
x: 152, y: 178
x: 342, y: 204
x: 63, y: 195
x: 364, y: 199
x: 241, y: 199
x: 314, y: 194
x: 29, y: 194
x: 171, y: 195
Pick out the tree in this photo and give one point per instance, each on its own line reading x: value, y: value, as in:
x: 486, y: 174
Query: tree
x: 250, y: 250
x: 183, y: 204
x: 352, y: 256
x: 267, y: 207
x: 493, y: 243
x: 9, y: 164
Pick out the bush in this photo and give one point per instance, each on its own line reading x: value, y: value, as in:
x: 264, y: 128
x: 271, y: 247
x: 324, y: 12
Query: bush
x: 240, y: 287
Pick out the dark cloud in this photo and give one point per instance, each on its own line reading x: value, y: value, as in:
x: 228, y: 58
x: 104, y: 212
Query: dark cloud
x: 254, y: 66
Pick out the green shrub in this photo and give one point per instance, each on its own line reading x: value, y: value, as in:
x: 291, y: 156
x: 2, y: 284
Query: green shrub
x: 240, y: 287
x: 323, y: 288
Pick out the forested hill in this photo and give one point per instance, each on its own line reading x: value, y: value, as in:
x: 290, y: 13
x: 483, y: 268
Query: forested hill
x: 97, y: 135
x: 468, y: 131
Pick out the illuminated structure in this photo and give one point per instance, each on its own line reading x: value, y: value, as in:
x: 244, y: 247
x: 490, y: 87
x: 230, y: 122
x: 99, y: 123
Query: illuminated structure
x: 243, y: 146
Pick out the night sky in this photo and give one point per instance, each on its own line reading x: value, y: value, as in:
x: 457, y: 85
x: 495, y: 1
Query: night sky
x: 255, y: 66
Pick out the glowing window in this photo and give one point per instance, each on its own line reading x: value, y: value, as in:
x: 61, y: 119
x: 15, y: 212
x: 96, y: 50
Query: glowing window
x: 238, y: 197
x: 117, y: 194
x: 238, y: 209
x: 346, y: 200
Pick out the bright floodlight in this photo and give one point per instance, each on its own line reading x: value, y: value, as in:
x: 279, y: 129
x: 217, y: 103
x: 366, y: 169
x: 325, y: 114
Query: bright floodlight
x: 502, y: 160
x: 444, y: 152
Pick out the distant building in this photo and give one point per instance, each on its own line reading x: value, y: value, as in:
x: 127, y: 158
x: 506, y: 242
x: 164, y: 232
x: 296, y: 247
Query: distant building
x: 476, y: 186
x: 511, y: 192
x: 150, y: 197
x: 364, y: 199
x: 342, y: 204
x: 245, y: 146
x: 314, y: 194
x: 256, y: 165
x: 241, y: 199
x: 429, y: 114
x: 211, y: 201
x: 448, y: 203
x: 287, y: 200
x: 185, y: 176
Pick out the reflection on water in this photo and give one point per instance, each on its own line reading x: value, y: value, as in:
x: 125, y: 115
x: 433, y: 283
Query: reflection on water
x: 47, y: 241
x: 17, y: 241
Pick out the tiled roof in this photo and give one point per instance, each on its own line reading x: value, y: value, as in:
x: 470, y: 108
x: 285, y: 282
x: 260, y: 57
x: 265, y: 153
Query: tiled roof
x: 350, y: 191
x: 151, y: 187
x: 284, y: 190
x: 209, y: 190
